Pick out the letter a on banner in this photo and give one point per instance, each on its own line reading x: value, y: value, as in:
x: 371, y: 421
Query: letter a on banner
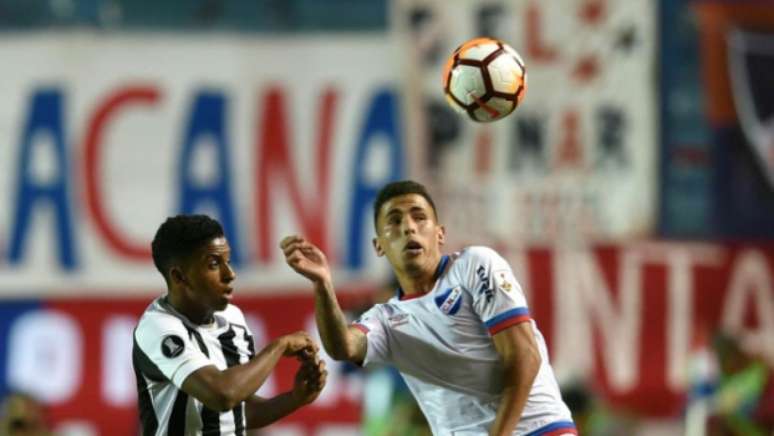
x: 42, y: 177
x: 381, y: 123
x: 275, y: 169
x: 206, y: 129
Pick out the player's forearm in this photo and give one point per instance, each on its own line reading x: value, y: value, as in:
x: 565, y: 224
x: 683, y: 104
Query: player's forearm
x: 331, y: 322
x: 223, y: 390
x: 518, y: 378
x: 260, y: 412
x: 243, y: 380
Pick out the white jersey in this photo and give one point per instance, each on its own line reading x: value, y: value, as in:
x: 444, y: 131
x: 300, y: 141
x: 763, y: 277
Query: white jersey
x: 167, y: 349
x: 441, y: 342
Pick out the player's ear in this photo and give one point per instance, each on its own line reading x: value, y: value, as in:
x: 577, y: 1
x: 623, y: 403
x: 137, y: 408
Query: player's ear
x: 176, y: 276
x: 377, y: 247
x: 441, y: 235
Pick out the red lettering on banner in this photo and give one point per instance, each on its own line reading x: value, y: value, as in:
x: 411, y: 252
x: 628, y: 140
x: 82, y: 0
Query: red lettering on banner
x: 569, y: 153
x: 592, y: 12
x: 537, y: 50
x: 122, y: 97
x: 275, y: 165
x: 483, y: 152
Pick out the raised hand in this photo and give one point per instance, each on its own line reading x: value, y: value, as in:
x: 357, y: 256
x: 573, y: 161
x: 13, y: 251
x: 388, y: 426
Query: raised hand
x: 310, y: 380
x: 306, y: 259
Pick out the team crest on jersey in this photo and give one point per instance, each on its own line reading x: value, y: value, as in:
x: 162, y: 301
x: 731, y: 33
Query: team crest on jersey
x: 450, y: 301
x: 172, y: 346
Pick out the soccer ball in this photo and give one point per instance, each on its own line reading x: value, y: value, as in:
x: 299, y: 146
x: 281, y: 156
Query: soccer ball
x: 484, y: 78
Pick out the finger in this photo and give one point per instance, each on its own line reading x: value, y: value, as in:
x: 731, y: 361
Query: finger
x: 304, y: 356
x: 294, y: 259
x: 310, y: 351
x: 291, y: 248
x: 309, y: 357
x: 299, y: 244
x: 304, y: 335
x: 287, y: 240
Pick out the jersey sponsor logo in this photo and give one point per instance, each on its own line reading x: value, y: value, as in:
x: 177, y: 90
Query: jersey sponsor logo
x: 486, y: 283
x: 398, y: 320
x: 172, y: 346
x: 450, y: 301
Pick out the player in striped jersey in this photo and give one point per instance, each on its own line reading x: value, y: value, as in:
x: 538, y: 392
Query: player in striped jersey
x: 459, y: 330
x: 194, y: 357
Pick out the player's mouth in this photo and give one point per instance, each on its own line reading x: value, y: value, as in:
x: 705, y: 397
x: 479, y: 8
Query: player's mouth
x: 228, y: 294
x: 413, y: 248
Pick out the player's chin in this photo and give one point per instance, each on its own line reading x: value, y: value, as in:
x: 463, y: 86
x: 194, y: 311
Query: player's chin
x: 413, y: 264
x: 222, y: 304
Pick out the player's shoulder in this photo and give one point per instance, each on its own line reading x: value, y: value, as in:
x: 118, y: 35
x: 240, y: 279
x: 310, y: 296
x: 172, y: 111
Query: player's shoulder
x: 380, y: 310
x: 157, y: 317
x: 476, y: 254
x: 233, y: 314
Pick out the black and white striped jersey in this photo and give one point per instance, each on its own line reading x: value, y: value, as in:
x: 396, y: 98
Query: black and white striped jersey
x: 167, y: 349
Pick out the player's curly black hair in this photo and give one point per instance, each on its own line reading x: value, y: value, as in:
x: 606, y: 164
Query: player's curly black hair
x: 179, y: 236
x: 402, y: 187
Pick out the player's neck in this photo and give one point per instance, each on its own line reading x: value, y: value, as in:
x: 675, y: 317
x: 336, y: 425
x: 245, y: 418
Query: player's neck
x: 194, y: 314
x: 420, y: 281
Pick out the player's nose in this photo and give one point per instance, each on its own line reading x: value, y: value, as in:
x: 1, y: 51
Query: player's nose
x: 409, y: 226
x: 228, y: 274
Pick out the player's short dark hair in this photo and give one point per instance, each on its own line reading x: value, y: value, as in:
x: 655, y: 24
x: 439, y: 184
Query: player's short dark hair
x: 179, y: 236
x: 396, y: 189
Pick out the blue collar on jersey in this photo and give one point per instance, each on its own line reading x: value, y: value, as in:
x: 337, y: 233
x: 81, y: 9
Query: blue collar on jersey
x: 438, y: 271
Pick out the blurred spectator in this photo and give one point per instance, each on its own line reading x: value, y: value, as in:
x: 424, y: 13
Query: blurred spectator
x: 591, y: 416
x: 743, y: 402
x: 22, y: 415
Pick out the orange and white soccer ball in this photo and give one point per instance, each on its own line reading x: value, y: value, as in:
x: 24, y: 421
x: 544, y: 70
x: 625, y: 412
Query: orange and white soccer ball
x: 484, y: 78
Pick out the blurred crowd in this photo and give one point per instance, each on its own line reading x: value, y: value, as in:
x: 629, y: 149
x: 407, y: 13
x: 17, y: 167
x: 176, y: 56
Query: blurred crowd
x: 22, y: 415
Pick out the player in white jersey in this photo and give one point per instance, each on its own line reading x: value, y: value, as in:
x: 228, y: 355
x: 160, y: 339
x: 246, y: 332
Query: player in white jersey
x: 194, y: 356
x: 459, y: 330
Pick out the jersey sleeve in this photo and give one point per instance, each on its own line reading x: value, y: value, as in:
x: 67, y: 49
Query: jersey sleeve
x: 497, y: 297
x: 167, y: 345
x: 372, y: 324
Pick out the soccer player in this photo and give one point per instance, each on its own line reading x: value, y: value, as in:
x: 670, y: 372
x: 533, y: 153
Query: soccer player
x: 458, y: 330
x: 194, y: 357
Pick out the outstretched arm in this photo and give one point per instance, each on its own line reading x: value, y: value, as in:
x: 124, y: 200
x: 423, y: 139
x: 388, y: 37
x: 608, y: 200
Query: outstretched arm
x: 341, y: 341
x: 521, y: 363
x: 223, y: 390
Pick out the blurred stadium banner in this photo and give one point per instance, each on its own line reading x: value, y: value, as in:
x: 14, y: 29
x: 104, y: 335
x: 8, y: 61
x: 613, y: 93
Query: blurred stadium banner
x: 105, y: 136
x: 716, y: 100
x: 577, y: 160
x: 626, y: 317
